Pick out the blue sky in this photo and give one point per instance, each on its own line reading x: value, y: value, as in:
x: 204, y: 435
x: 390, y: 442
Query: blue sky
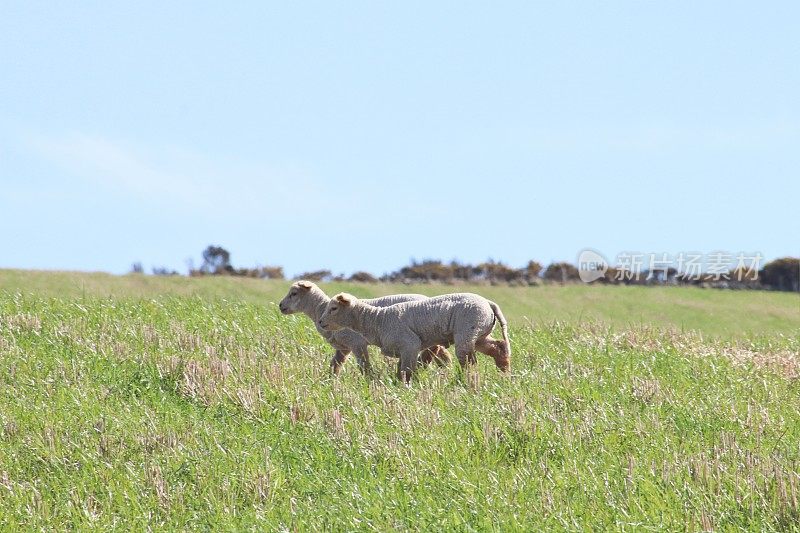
x: 360, y: 135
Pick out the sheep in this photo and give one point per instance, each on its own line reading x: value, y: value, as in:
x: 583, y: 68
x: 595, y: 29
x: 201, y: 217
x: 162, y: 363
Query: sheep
x: 305, y: 297
x: 403, y: 329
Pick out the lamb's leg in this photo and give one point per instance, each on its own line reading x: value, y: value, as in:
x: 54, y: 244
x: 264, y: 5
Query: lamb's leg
x: 441, y: 356
x: 435, y: 354
x: 338, y: 359
x: 362, y: 358
x: 407, y: 365
x: 496, y: 350
x: 465, y: 352
x: 426, y: 357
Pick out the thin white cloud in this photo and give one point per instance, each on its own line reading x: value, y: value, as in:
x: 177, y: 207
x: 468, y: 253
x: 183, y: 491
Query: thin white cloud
x: 182, y: 179
x: 179, y: 178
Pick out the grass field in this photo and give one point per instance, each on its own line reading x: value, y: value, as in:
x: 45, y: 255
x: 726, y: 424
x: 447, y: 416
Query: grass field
x: 715, y: 313
x: 135, y: 402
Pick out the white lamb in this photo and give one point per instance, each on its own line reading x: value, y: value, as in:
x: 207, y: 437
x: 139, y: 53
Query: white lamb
x: 403, y: 329
x: 305, y: 297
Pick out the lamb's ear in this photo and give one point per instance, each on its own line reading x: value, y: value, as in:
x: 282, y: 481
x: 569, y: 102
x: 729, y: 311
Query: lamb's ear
x: 344, y: 299
x: 305, y: 284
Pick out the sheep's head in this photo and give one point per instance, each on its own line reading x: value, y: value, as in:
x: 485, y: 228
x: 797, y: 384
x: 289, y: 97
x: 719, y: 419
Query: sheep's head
x: 337, y: 312
x: 291, y: 303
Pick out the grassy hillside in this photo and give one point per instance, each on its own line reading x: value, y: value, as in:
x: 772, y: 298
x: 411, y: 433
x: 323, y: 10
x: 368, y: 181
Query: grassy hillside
x: 713, y: 312
x: 189, y: 404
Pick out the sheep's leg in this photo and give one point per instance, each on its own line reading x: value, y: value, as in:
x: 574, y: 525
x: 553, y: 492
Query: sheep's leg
x: 338, y: 359
x: 435, y: 354
x: 362, y: 358
x: 496, y: 350
x: 426, y: 357
x: 441, y: 356
x: 407, y: 366
x: 466, y: 355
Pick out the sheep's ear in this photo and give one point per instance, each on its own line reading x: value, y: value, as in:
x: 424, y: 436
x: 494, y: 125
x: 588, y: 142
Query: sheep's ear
x: 304, y: 284
x: 343, y: 299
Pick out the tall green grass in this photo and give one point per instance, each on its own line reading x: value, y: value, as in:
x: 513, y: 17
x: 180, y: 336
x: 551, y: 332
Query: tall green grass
x: 213, y: 411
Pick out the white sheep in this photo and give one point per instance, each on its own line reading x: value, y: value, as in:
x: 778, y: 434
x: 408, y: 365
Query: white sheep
x: 402, y: 330
x: 305, y: 297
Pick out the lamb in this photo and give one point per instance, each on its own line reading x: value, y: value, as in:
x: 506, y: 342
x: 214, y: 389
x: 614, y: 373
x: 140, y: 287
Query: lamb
x: 305, y: 297
x: 402, y: 330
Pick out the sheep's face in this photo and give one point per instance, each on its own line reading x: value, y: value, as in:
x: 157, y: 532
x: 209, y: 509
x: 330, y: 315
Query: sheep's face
x: 291, y: 302
x: 337, y: 312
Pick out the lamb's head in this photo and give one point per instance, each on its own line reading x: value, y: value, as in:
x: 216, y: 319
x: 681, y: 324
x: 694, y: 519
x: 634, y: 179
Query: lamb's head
x: 293, y: 301
x: 338, y: 313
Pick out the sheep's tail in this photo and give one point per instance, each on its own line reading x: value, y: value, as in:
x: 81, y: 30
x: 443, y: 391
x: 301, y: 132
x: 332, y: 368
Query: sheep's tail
x: 503, y: 325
